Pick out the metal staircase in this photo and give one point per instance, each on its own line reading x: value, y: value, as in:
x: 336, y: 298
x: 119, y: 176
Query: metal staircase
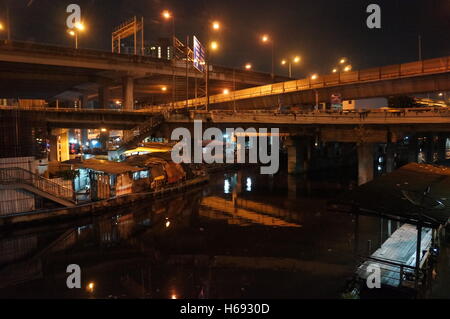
x: 140, y: 133
x: 19, y: 178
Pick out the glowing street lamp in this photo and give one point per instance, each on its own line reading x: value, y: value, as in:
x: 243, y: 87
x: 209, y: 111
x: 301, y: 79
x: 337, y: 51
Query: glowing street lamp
x: 295, y: 60
x: 314, y: 77
x: 79, y: 27
x: 343, y: 61
x: 348, y: 68
x: 226, y: 91
x: 266, y: 39
x: 214, y: 45
x: 216, y: 25
x: 248, y: 66
x: 2, y: 27
x: 167, y: 15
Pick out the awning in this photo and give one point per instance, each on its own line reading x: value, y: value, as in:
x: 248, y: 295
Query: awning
x: 401, y: 196
x: 114, y: 168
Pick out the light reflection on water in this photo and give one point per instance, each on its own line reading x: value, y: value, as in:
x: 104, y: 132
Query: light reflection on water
x: 242, y: 236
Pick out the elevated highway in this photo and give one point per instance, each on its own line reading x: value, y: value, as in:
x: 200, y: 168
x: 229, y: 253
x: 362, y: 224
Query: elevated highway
x: 402, y: 79
x: 39, y: 71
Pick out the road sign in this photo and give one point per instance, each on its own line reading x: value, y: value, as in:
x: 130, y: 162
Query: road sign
x: 199, y: 55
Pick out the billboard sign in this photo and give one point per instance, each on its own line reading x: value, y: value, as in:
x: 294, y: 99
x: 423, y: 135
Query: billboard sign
x: 199, y: 55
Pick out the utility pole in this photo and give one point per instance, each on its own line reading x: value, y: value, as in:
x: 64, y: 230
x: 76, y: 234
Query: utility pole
x: 420, y: 47
x: 8, y: 22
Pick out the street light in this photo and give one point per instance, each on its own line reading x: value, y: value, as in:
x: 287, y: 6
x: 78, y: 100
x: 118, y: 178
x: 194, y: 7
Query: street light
x: 266, y: 39
x: 214, y: 45
x: 226, y: 91
x: 348, y: 68
x: 295, y: 60
x: 216, y: 25
x: 314, y: 77
x: 2, y: 27
x: 248, y: 66
x: 167, y: 15
x: 79, y: 27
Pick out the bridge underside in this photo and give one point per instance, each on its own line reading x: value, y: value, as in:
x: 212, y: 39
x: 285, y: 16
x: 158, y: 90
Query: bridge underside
x: 70, y: 118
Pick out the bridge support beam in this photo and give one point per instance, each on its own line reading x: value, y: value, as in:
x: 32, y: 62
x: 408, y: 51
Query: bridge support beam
x: 442, y: 147
x: 128, y: 93
x: 365, y: 163
x: 299, y: 155
x: 104, y: 97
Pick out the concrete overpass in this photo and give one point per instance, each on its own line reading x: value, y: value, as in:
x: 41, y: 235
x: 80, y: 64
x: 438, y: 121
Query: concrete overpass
x: 37, y: 71
x: 402, y: 79
x: 79, y: 118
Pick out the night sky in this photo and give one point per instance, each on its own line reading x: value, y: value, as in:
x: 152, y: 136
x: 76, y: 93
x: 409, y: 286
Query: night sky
x: 318, y: 30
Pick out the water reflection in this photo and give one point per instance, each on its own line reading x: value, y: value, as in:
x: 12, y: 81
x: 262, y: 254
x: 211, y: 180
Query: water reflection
x: 271, y: 238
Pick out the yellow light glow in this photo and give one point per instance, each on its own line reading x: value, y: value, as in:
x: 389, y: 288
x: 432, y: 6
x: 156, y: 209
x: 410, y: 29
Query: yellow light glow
x: 265, y: 38
x: 343, y: 60
x: 1, y: 27
x: 441, y: 94
x: 348, y: 68
x: 214, y: 45
x: 248, y: 66
x: 174, y: 296
x: 166, y: 14
x: 297, y: 59
x: 104, y: 130
x: 71, y: 32
x: 164, y: 88
x: 168, y: 224
x: 91, y: 287
x: 335, y: 70
x: 226, y: 91
x: 283, y: 62
x: 118, y: 102
x: 314, y: 77
x: 216, y: 25
x: 80, y: 26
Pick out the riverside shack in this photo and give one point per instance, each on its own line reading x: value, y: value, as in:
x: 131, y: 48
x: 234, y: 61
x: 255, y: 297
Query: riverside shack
x: 107, y: 179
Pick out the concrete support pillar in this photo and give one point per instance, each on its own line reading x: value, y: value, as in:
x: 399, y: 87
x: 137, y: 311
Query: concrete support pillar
x: 365, y: 163
x: 299, y: 155
x: 128, y: 93
x: 84, y: 99
x: 104, y: 97
x: 59, y: 146
x: 292, y: 187
x: 442, y: 147
x: 413, y: 149
x: 390, y: 158
x: 430, y: 148
x: 84, y: 137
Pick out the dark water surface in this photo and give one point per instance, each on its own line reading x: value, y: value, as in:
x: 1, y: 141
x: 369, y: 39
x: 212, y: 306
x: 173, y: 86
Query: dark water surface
x: 242, y: 236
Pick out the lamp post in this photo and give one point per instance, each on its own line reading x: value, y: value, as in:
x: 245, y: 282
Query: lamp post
x: 213, y: 46
x: 79, y: 27
x: 343, y: 66
x: 266, y: 39
x: 167, y: 15
x: 295, y: 60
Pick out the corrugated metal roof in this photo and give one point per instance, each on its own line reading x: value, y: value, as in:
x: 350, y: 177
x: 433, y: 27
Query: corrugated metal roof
x: 109, y: 167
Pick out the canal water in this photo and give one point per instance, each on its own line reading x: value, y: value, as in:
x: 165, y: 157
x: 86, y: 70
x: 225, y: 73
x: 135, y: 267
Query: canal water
x: 244, y: 235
